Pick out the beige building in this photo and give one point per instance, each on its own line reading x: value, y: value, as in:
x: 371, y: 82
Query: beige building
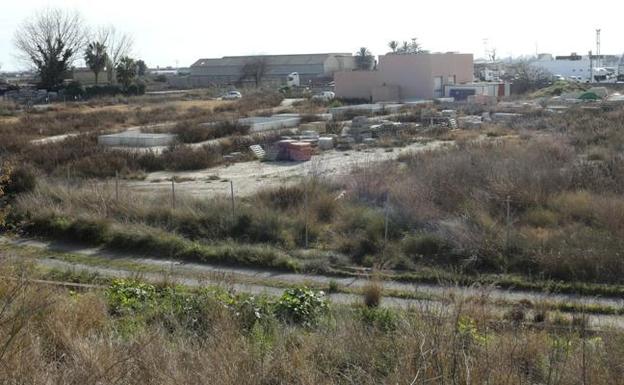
x: 406, y: 77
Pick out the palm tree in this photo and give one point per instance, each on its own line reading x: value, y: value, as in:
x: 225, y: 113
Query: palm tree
x: 405, y: 48
x: 393, y: 45
x: 364, y: 59
x: 126, y: 71
x: 96, y: 58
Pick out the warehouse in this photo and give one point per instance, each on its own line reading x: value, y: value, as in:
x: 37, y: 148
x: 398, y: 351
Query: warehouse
x: 270, y: 68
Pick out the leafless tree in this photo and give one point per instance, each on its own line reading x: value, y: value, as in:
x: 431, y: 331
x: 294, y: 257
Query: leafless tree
x: 51, y: 41
x: 527, y: 77
x: 255, y: 69
x: 118, y: 45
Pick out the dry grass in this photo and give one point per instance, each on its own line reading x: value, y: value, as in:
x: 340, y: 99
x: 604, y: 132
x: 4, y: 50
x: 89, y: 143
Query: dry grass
x: 372, y: 293
x: 76, y: 338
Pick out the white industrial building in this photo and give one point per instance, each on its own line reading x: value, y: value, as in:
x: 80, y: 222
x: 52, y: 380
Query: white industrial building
x: 580, y: 67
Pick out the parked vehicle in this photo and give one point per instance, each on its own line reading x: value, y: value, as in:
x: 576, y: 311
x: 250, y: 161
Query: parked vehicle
x: 324, y: 96
x: 293, y: 80
x: 232, y: 95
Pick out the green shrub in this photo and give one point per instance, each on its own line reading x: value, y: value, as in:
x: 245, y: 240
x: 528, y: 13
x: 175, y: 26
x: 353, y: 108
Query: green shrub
x: 74, y: 90
x: 362, y: 232
x: 383, y: 319
x: 50, y: 226
x: 128, y: 296
x: 333, y: 286
x: 22, y: 179
x: 541, y: 217
x: 301, y: 306
x: 326, y: 207
x: 90, y: 231
x: 284, y: 197
x: 425, y: 246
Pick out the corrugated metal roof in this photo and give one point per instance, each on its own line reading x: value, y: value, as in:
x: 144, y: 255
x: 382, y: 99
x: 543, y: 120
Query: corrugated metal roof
x: 272, y: 60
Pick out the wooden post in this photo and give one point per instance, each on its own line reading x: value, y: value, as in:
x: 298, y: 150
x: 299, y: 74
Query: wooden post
x: 68, y: 177
x: 116, y: 186
x: 508, y: 203
x: 173, y: 198
x: 383, y: 250
x: 232, y: 197
x: 305, y: 206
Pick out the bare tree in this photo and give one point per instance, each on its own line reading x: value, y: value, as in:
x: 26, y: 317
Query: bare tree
x: 254, y: 69
x: 51, y: 41
x: 118, y: 45
x: 526, y: 77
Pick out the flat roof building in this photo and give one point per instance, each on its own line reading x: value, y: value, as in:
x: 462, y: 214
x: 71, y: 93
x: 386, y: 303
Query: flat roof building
x: 406, y: 77
x: 235, y: 69
x: 579, y: 67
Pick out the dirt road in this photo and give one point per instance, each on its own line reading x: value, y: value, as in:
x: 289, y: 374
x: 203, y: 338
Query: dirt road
x: 258, y: 281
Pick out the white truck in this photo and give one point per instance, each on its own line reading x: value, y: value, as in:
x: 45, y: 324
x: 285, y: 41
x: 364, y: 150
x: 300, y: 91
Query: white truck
x: 293, y: 80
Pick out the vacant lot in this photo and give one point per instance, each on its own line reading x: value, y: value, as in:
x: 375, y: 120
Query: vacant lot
x: 529, y: 200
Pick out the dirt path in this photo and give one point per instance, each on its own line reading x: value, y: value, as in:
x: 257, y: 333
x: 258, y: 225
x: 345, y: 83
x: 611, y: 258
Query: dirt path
x: 258, y: 281
x: 250, y: 177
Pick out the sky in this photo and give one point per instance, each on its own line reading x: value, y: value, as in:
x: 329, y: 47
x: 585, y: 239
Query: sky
x: 173, y: 32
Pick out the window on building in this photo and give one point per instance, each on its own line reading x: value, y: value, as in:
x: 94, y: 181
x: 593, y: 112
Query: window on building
x: 451, y: 79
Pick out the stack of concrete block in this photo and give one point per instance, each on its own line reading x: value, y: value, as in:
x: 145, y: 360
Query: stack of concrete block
x: 360, y: 129
x: 299, y: 151
x: 326, y: 143
x: 469, y: 122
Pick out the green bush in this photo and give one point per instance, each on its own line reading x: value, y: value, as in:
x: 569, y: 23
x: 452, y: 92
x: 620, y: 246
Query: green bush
x: 383, y: 319
x: 425, y: 246
x: 22, y: 179
x: 103, y: 90
x: 74, y: 90
x: 128, y: 296
x: 301, y: 306
x: 90, y: 231
x: 541, y: 217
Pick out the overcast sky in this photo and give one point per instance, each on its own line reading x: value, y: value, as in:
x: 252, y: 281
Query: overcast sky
x: 182, y: 31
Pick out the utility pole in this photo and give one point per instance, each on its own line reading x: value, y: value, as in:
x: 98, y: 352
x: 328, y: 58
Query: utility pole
x: 591, y: 67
